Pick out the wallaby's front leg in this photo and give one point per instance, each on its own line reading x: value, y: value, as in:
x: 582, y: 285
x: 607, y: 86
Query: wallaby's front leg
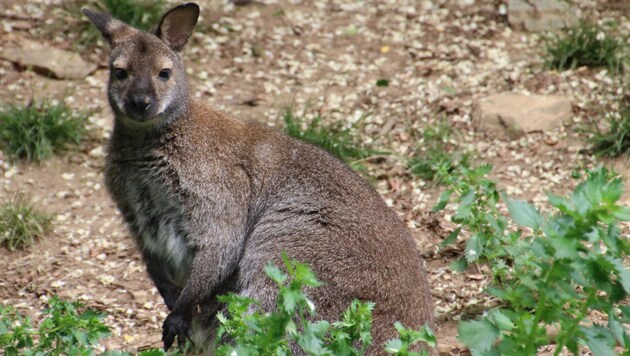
x: 168, y: 290
x: 212, y: 264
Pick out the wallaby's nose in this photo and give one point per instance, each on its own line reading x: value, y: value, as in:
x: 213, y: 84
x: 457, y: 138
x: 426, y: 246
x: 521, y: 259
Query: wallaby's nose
x: 141, y: 102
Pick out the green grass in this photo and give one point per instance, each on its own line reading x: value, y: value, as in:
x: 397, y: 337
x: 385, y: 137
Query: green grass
x: 39, y: 130
x: 435, y: 155
x: 21, y: 224
x: 614, y: 141
x: 339, y: 141
x: 586, y: 45
x: 142, y: 14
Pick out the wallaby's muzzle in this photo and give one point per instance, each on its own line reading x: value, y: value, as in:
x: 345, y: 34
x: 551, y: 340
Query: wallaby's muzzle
x: 141, y: 106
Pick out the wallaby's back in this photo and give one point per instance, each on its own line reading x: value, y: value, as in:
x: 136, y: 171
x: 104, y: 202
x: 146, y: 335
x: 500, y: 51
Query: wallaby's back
x: 211, y: 200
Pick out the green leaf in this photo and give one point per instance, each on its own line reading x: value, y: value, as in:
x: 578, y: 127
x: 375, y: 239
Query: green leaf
x: 393, y: 346
x: 478, y: 335
x: 474, y: 249
x: 442, y: 201
x: 599, y: 340
x: 382, y: 83
x: 275, y: 274
x: 452, y: 237
x: 459, y: 265
x: 500, y: 320
x: 524, y: 214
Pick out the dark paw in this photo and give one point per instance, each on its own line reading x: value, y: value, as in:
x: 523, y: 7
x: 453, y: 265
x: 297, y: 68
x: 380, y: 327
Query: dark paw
x: 174, y: 326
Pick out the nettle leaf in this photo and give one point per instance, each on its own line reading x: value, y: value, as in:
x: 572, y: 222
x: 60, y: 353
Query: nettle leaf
x: 275, y: 274
x: 599, y: 340
x: 452, y: 237
x: 617, y: 329
x: 564, y: 247
x: 524, y: 214
x: 442, y: 201
x: 459, y: 265
x: 478, y: 335
x: 500, y: 320
x: 474, y: 249
x: 622, y: 272
x: 498, y: 225
x: 622, y: 213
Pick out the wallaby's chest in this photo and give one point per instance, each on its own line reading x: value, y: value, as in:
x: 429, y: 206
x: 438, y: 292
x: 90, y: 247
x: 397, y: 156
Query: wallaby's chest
x: 152, y: 209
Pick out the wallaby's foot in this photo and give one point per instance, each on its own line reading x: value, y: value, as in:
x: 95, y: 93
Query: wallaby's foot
x: 176, y: 325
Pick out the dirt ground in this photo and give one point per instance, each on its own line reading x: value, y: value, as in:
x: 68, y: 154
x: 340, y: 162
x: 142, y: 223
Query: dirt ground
x: 323, y: 57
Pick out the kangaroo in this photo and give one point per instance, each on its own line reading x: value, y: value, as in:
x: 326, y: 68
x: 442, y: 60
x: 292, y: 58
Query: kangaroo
x: 210, y: 200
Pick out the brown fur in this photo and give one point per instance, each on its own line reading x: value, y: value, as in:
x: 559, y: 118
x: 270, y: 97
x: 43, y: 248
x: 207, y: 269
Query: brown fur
x: 211, y: 200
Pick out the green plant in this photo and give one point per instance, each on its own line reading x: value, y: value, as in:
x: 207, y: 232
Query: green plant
x: 586, y: 45
x: 569, y: 265
x: 65, y: 330
x: 334, y: 138
x: 435, y: 156
x: 141, y: 14
x: 615, y: 140
x: 39, y: 130
x: 252, y: 331
x: 21, y: 224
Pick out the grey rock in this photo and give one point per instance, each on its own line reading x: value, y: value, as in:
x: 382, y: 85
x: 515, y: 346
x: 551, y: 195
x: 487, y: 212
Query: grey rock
x: 49, y: 61
x: 541, y: 15
x: 518, y: 114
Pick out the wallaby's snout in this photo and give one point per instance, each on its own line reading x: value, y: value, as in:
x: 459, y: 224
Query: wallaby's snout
x: 141, y: 104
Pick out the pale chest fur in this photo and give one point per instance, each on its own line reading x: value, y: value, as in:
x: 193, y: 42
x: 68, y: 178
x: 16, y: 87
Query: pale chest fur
x: 144, y: 193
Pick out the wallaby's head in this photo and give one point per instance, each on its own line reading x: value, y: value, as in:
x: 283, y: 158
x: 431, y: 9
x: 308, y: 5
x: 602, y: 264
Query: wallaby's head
x: 147, y: 81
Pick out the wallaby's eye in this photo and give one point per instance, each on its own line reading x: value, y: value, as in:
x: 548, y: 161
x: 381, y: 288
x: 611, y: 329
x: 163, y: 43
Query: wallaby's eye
x: 165, y: 74
x: 120, y: 73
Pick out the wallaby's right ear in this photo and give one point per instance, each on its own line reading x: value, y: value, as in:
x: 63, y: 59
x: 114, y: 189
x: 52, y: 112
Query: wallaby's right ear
x: 109, y: 26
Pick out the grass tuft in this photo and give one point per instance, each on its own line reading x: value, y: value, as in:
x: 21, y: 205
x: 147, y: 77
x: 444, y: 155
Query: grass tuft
x: 21, y: 224
x: 614, y: 141
x: 39, y: 130
x: 334, y: 138
x: 436, y: 155
x: 586, y: 45
x: 142, y: 14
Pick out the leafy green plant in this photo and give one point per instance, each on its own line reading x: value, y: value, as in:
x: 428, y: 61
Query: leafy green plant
x: 21, y: 224
x: 334, y: 138
x: 435, y: 156
x: 65, y: 330
x: 252, y: 331
x: 39, y: 130
x: 586, y: 45
x: 141, y: 14
x: 615, y: 140
x: 569, y: 265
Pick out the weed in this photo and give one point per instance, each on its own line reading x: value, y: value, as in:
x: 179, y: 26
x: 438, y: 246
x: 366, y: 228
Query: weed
x: 436, y: 156
x: 334, y: 138
x: 65, y: 330
x: 21, y: 224
x: 39, y: 130
x: 586, y: 45
x: 255, y: 332
x: 615, y: 141
x: 569, y: 265
x: 141, y: 14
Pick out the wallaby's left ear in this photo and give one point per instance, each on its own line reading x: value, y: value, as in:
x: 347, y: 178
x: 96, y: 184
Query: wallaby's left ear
x: 177, y: 25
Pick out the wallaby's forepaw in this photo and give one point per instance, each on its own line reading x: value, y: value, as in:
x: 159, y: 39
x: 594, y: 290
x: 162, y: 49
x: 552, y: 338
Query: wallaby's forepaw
x: 178, y: 326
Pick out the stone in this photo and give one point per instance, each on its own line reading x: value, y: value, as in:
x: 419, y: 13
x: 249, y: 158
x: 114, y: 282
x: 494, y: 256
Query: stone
x: 541, y: 15
x: 49, y: 61
x: 518, y: 114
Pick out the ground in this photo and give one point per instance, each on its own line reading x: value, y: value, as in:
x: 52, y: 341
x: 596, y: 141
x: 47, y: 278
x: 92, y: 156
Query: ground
x: 320, y: 57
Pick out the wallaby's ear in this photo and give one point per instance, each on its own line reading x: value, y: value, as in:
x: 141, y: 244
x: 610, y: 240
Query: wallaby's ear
x: 109, y: 26
x: 177, y: 25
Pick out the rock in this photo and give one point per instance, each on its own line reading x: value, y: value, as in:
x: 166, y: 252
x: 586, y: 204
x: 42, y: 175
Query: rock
x: 518, y: 114
x: 541, y: 15
x: 48, y: 61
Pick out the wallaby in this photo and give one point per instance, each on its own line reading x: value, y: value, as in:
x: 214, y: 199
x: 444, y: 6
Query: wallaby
x: 211, y: 200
